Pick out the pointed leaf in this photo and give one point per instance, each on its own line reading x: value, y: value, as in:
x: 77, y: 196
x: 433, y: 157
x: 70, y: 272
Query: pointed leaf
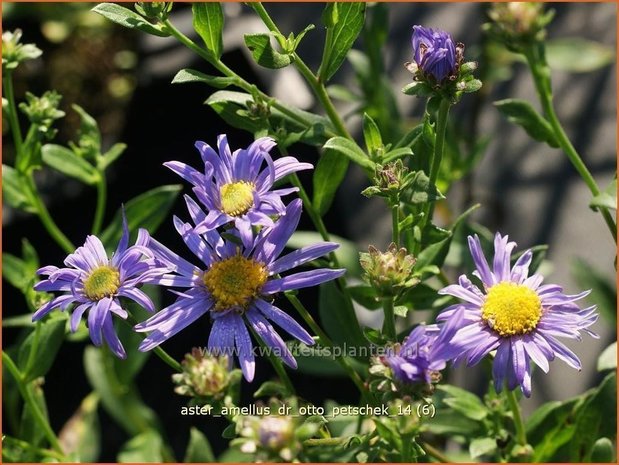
x: 127, y: 18
x: 64, y: 160
x: 263, y: 52
x: 328, y: 175
x: 521, y: 112
x: 208, y: 21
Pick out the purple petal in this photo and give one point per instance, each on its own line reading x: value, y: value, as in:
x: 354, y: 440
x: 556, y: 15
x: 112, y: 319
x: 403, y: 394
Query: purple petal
x: 139, y: 297
x: 300, y: 280
x: 76, y: 316
x: 186, y: 172
x: 267, y: 333
x: 272, y: 244
x: 112, y: 339
x: 284, y: 321
x: 301, y: 256
x: 244, y: 346
x: 458, y: 291
x: 535, y: 353
x: 221, y: 338
x: 96, y: 317
x: 501, y: 366
x: 480, y: 261
x: 60, y: 301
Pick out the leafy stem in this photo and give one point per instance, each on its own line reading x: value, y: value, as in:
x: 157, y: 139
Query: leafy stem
x: 9, y: 93
x: 435, y: 164
x: 327, y: 342
x: 317, y: 86
x: 389, y: 321
x: 49, y: 224
x: 541, y: 77
x: 26, y: 394
x: 101, y: 199
x: 226, y: 71
x: 521, y: 435
x: 395, y: 220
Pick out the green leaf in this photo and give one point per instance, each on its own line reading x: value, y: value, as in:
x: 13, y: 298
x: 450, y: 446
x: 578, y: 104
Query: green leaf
x: 191, y: 75
x: 328, y: 175
x: 347, y: 253
x: 333, y: 308
x: 208, y: 21
x: 199, y: 449
x: 145, y: 447
x: 521, y: 112
x: 147, y: 210
x: 89, y: 132
x: 120, y: 400
x: 14, y: 191
x: 81, y: 435
x: 111, y: 155
x: 603, y: 289
x: 64, y: 160
x: 608, y: 359
x: 603, y: 451
x: 50, y: 337
x: 394, y: 154
x: 464, y: 402
x: 271, y: 388
x: 16, y: 271
x: 550, y: 427
x: 344, y: 22
x: 449, y: 422
x: 595, y: 418
x: 371, y: 134
x: 29, y: 427
x: 422, y: 191
x: 263, y: 52
x: 607, y: 198
x: 436, y: 253
x: 351, y: 150
x: 482, y: 446
x: 578, y: 55
x: 229, y: 432
x: 232, y: 107
x: 366, y: 296
x: 127, y: 18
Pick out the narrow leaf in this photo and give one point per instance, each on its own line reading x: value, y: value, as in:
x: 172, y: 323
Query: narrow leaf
x: 64, y: 160
x: 330, y: 171
x: 127, y: 18
x: 208, y: 21
x: 521, y: 112
x: 263, y: 52
x: 344, y: 22
x: 191, y: 75
x: 351, y: 150
x: 199, y: 449
x: 14, y: 191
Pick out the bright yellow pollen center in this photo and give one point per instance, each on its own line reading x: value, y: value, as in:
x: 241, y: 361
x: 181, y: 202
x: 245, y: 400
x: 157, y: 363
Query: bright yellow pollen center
x: 237, y: 197
x: 102, y: 282
x: 234, y: 282
x: 511, y: 309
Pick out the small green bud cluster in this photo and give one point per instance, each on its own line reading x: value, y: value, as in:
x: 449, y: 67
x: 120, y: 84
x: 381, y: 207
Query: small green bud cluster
x: 388, y: 272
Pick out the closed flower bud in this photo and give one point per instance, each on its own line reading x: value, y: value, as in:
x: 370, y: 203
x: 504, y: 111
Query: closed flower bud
x: 154, y: 10
x: 204, y: 375
x: 517, y: 23
x: 388, y: 272
x: 43, y: 111
x: 14, y: 53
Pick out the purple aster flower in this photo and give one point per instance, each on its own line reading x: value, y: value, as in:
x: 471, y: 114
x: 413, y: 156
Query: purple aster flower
x: 434, y: 52
x: 419, y: 358
x: 236, y: 285
x: 94, y: 283
x: 235, y: 188
x: 514, y: 314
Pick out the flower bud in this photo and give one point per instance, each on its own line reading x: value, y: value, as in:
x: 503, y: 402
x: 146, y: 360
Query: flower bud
x: 434, y: 53
x: 154, y: 10
x: 204, y: 375
x: 43, y: 111
x: 388, y: 272
x: 517, y: 23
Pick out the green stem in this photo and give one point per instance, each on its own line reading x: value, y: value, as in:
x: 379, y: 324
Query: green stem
x: 326, y: 442
x: 49, y: 224
x: 34, y: 348
x: 327, y: 342
x: 389, y: 321
x: 435, y: 164
x: 31, y: 402
x: 101, y: 199
x: 521, y: 435
x: 437, y: 454
x: 10, y: 441
x: 395, y: 220
x: 239, y: 81
x: 9, y: 94
x: 158, y: 351
x: 539, y: 71
x: 317, y: 86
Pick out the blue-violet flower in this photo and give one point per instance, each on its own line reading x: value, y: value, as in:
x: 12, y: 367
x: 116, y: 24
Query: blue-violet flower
x: 514, y: 314
x: 235, y: 188
x: 236, y: 286
x: 95, y: 282
x: 434, y: 52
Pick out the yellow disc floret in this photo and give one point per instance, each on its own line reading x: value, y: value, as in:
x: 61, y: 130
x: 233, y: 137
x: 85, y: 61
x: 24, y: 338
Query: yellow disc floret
x: 234, y: 282
x: 237, y: 197
x: 511, y: 309
x: 102, y: 282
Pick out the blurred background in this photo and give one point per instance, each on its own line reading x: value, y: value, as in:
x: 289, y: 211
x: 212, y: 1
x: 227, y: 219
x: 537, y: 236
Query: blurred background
x: 525, y: 189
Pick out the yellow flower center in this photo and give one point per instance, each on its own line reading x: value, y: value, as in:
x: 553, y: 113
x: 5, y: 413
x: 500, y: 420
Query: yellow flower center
x: 511, y: 309
x: 234, y: 282
x: 237, y: 197
x: 102, y: 282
